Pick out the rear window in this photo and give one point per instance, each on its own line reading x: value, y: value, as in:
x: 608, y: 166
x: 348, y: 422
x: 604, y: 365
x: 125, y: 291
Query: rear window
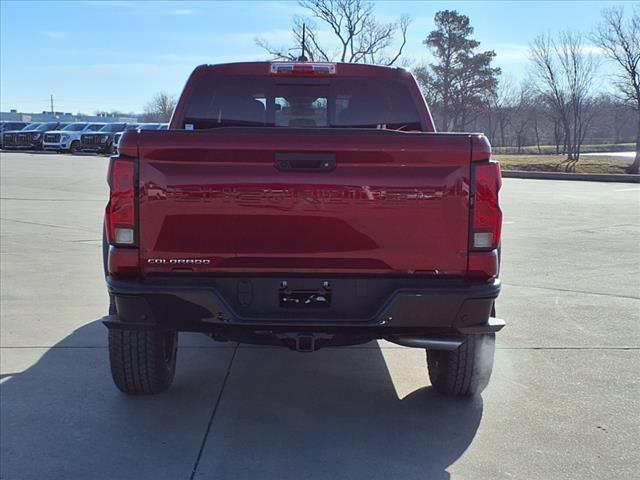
x: 286, y: 102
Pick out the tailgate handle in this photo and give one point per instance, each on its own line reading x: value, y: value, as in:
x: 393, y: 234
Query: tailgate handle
x: 305, y: 162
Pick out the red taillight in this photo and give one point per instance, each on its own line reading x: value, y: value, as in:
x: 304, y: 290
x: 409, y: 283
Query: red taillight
x: 120, y: 214
x: 487, y: 216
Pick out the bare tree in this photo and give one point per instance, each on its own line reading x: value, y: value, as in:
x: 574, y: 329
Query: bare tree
x: 536, y: 118
x: 620, y: 41
x: 500, y: 108
x: 160, y: 108
x: 358, y: 36
x: 522, y: 115
x: 564, y: 74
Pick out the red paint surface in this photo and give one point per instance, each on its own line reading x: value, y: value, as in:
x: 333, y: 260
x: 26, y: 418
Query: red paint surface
x: 395, y: 203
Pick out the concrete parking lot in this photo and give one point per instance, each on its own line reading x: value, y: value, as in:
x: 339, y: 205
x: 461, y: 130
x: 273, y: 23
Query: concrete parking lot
x: 563, y: 402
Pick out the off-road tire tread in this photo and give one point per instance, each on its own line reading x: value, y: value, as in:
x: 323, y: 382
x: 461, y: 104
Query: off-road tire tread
x: 137, y: 361
x: 464, y: 371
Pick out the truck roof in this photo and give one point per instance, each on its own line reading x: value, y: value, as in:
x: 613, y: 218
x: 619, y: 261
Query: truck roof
x: 264, y: 68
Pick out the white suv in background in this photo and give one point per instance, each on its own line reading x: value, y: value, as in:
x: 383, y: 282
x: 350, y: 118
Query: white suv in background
x: 141, y: 126
x: 68, y: 139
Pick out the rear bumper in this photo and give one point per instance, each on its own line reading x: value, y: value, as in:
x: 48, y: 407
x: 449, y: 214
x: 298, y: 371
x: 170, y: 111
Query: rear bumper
x: 104, y: 148
x: 374, y: 307
x: 24, y: 146
x: 56, y: 146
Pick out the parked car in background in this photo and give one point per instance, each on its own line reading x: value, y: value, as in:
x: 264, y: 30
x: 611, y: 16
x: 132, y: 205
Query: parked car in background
x: 164, y: 126
x: 102, y: 140
x: 117, y: 136
x: 10, y: 127
x: 30, y: 137
x: 67, y: 139
x: 142, y: 126
x: 9, y: 136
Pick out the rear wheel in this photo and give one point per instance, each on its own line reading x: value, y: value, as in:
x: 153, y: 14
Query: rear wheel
x: 464, y: 371
x: 142, y: 362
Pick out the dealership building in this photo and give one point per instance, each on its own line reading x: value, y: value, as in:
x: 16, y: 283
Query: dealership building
x: 15, y: 116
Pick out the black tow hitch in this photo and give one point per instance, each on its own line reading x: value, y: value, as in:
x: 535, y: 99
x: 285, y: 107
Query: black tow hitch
x: 305, y: 342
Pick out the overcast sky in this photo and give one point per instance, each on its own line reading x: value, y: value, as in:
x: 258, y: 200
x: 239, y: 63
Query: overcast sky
x: 116, y: 55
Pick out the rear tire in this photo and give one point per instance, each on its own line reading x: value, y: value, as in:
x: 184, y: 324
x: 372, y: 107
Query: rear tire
x: 142, y: 362
x: 466, y: 370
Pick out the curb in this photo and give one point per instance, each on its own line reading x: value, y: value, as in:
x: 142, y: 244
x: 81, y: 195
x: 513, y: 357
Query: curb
x: 589, y: 177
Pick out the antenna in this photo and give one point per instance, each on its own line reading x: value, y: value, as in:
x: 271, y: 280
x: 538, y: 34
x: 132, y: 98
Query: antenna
x: 303, y: 58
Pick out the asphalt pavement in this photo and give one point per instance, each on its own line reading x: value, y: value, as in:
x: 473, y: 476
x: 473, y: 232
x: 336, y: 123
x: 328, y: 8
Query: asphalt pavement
x: 563, y: 402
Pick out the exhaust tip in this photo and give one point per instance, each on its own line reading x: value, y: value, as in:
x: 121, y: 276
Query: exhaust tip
x: 429, y: 343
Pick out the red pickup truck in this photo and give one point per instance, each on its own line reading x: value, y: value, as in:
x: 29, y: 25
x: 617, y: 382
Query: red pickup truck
x: 306, y: 205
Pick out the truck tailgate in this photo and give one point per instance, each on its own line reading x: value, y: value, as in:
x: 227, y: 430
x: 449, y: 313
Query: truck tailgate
x: 307, y: 201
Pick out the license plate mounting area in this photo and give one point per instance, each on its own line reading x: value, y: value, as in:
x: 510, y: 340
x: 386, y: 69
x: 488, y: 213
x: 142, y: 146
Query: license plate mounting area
x: 291, y: 297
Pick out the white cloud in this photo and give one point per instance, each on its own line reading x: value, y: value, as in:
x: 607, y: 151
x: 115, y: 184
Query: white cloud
x: 110, y: 69
x: 508, y: 52
x: 126, y: 57
x: 239, y: 39
x: 593, y: 49
x: 181, y: 11
x: 520, y: 53
x: 54, y: 34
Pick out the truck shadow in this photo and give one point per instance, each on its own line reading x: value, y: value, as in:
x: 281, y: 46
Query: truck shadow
x: 331, y: 414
